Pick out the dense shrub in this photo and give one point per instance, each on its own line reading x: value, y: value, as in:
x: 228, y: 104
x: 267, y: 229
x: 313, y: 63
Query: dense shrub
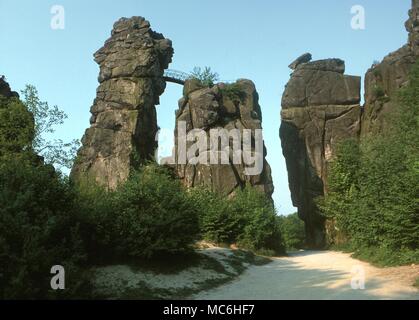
x: 374, y: 186
x: 46, y: 220
x: 293, y: 231
x: 248, y: 219
x: 234, y: 92
x: 38, y: 226
x: 217, y: 223
x: 16, y: 126
x: 37, y: 230
x: 148, y: 215
x: 260, y: 227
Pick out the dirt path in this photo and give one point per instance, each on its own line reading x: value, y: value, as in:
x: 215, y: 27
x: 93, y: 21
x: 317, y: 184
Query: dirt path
x: 318, y: 275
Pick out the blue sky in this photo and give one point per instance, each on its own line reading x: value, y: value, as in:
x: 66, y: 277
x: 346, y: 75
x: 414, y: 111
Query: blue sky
x: 237, y: 38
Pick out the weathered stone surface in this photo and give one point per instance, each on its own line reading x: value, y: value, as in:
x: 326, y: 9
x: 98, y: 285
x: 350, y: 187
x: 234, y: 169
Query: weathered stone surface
x: 311, y: 86
x: 304, y: 58
x: 214, y: 108
x: 191, y: 85
x: 123, y: 123
x: 320, y: 107
x: 412, y: 26
x: 334, y: 65
x: 384, y: 79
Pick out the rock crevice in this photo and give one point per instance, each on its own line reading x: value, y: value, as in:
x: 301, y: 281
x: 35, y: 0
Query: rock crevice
x: 222, y: 107
x: 320, y: 107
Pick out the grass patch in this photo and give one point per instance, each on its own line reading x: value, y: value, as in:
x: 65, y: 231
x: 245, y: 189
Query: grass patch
x: 234, y: 92
x: 379, y: 256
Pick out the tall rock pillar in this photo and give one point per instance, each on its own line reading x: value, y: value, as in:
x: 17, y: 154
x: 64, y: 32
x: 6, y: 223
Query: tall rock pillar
x: 123, y: 123
x: 320, y: 107
x: 384, y: 79
x: 229, y: 110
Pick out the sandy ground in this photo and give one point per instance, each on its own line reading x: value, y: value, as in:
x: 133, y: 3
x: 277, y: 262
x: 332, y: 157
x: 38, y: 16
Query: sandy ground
x: 319, y: 275
x: 115, y: 281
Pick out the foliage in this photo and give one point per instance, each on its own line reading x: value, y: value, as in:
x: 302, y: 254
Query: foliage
x: 260, y: 230
x: 149, y: 215
x: 217, y: 223
x: 206, y: 76
x: 374, y: 186
x: 56, y: 152
x: 16, y: 127
x: 247, y: 219
x: 234, y: 92
x: 378, y: 91
x: 293, y: 231
x: 46, y: 220
x: 38, y: 229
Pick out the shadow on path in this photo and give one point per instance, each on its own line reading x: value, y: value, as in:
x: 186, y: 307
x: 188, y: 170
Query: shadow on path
x: 308, y: 275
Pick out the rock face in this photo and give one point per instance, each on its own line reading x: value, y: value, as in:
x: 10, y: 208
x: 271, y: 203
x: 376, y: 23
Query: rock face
x: 384, y: 79
x: 306, y: 57
x: 123, y: 123
x: 5, y: 90
x: 223, y: 107
x: 320, y: 107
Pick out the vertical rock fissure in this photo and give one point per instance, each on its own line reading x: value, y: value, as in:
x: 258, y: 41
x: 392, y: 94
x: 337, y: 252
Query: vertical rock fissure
x: 321, y: 88
x: 320, y: 107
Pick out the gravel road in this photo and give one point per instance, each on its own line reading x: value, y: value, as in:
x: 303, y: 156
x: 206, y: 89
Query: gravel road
x: 319, y: 275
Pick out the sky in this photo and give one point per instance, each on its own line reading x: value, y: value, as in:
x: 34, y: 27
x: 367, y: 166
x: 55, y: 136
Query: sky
x: 252, y: 39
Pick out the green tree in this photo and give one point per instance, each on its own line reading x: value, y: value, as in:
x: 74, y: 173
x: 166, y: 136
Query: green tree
x: 206, y: 76
x: 293, y: 231
x: 374, y: 186
x: 149, y: 215
x: 16, y: 127
x: 38, y: 229
x: 55, y: 151
x: 247, y: 219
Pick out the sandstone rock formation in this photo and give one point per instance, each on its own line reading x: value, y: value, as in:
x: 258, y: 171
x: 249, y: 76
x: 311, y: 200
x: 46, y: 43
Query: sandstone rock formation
x: 384, y: 79
x: 123, y: 122
x: 320, y: 107
x: 304, y: 58
x: 221, y: 107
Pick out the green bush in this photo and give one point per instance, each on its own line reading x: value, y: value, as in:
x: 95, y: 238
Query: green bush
x: 293, y: 231
x: 217, y: 222
x: 234, y: 92
x: 374, y: 186
x: 16, y: 126
x: 378, y: 91
x: 260, y: 227
x: 149, y: 215
x: 248, y: 219
x: 37, y: 230
x: 38, y: 225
